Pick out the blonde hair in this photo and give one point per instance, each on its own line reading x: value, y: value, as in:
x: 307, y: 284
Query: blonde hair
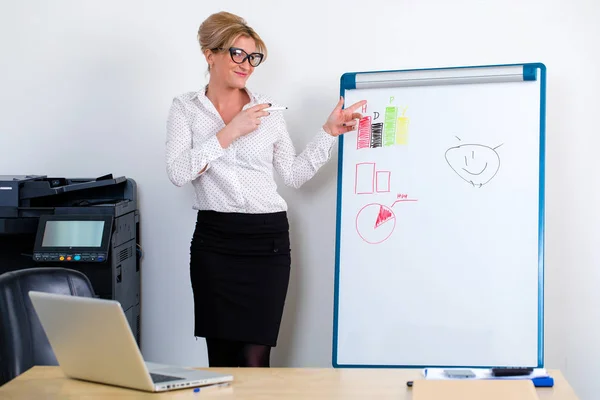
x: 221, y: 30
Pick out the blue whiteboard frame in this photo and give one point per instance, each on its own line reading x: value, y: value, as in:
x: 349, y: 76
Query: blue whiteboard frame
x: 348, y: 81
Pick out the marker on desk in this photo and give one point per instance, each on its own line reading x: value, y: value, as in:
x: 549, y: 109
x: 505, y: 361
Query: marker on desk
x: 212, y: 386
x: 274, y: 109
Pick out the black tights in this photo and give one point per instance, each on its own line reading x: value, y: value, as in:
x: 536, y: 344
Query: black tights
x: 227, y: 353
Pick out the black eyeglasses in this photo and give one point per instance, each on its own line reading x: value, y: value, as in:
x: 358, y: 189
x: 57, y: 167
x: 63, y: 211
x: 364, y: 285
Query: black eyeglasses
x: 239, y: 56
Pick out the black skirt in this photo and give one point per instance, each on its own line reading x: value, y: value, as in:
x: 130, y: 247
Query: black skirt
x: 240, y: 270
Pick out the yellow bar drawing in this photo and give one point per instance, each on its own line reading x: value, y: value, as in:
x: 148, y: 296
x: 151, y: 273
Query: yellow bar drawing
x: 402, y: 129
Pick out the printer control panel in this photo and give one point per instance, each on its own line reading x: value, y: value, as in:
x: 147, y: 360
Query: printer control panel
x: 71, y: 238
x: 69, y: 257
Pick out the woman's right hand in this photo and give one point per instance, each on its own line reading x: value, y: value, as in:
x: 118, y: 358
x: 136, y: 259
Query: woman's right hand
x: 248, y: 120
x: 243, y: 123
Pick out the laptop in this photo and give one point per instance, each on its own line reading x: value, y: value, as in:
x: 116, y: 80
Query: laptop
x: 92, y: 341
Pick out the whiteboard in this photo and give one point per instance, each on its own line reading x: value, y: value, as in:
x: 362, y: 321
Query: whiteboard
x: 439, y: 253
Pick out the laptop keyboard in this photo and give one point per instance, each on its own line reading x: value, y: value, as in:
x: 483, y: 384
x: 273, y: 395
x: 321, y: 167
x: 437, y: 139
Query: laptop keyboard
x: 158, y: 378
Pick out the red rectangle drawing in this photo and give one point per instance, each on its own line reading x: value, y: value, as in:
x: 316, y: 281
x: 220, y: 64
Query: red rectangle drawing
x: 364, y: 182
x: 364, y: 133
x: 383, y: 181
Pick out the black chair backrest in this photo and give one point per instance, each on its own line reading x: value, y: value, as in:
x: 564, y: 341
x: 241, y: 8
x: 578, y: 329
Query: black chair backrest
x: 23, y: 342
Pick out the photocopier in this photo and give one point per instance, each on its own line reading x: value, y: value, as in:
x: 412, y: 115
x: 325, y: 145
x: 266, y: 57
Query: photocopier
x: 90, y: 225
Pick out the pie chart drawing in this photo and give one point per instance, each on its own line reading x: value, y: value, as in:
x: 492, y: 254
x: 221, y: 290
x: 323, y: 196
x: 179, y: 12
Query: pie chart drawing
x: 375, y: 223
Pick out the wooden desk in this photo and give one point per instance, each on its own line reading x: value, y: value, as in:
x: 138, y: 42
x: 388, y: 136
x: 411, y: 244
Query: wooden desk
x: 250, y: 383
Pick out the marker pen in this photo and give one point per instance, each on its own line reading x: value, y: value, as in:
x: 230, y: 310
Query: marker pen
x: 212, y: 386
x: 274, y: 109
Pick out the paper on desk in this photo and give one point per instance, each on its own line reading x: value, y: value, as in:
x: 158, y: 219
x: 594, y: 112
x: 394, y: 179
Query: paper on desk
x: 481, y: 373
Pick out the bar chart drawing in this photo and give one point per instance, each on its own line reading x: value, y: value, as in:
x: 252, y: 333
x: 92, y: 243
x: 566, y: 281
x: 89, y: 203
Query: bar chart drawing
x: 392, y: 130
x: 383, y: 179
x: 389, y: 126
x: 402, y: 129
x: 364, y: 181
x: 369, y: 180
x: 364, y: 133
x: 376, y: 135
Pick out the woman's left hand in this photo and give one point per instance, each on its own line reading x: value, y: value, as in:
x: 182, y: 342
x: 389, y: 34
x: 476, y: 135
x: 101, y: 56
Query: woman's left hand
x: 343, y: 120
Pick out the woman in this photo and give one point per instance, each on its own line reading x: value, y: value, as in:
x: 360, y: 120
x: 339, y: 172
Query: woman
x: 223, y: 141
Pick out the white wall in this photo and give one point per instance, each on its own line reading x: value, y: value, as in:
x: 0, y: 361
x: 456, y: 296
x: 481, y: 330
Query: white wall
x: 86, y: 85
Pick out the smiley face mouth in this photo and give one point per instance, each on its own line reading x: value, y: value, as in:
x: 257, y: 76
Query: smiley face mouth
x: 478, y: 173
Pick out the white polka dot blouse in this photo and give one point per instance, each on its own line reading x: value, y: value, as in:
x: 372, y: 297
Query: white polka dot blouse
x: 240, y: 177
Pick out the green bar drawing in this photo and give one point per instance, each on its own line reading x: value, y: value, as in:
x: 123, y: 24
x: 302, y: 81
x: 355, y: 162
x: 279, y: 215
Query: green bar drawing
x: 389, y: 127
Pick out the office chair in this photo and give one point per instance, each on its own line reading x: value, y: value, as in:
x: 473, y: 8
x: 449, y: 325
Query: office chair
x: 23, y: 342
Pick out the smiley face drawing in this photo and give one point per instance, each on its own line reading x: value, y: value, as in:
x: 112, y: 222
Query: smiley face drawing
x: 476, y: 164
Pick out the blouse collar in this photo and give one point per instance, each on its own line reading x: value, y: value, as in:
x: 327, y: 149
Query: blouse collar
x: 201, y: 95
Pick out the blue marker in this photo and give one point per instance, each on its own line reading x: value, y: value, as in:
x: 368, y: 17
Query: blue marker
x: 216, y: 385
